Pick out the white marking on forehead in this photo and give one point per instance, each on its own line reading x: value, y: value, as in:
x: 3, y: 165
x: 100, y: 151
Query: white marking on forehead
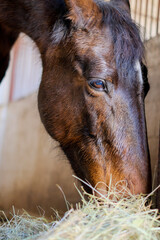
x: 139, y: 70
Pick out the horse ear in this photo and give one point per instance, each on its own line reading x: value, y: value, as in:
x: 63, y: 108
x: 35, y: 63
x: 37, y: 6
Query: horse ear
x: 124, y: 4
x: 82, y: 12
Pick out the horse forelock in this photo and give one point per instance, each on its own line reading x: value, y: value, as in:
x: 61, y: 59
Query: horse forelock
x: 128, y: 46
x: 59, y: 32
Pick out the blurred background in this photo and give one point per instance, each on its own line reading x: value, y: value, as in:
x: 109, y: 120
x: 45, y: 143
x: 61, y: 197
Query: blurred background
x: 32, y: 164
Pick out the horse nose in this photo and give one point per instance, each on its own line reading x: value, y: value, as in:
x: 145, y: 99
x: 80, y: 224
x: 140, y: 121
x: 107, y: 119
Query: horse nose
x: 135, y: 182
x: 139, y: 183
x: 100, y: 190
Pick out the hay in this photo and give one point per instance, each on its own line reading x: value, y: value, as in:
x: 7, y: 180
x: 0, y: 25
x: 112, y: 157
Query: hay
x: 105, y: 218
x: 22, y: 226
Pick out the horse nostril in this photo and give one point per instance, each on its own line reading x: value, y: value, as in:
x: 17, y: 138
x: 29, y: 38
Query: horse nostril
x: 137, y: 185
x: 100, y: 190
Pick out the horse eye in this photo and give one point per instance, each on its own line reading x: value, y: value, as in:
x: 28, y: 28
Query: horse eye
x: 97, y: 84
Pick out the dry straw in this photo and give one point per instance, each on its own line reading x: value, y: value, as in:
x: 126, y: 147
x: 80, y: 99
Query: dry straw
x: 113, y: 217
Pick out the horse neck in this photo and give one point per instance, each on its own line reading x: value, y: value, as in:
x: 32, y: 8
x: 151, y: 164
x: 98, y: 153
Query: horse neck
x: 34, y: 18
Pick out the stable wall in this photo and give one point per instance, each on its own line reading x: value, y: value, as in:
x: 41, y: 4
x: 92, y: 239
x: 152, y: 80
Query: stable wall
x: 153, y: 99
x: 32, y: 165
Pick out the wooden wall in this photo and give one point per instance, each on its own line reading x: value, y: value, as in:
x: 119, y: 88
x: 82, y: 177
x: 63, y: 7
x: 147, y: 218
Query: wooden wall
x: 153, y: 99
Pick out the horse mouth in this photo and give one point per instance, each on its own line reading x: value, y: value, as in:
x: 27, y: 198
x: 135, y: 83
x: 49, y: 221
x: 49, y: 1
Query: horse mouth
x: 122, y: 189
x: 134, y: 184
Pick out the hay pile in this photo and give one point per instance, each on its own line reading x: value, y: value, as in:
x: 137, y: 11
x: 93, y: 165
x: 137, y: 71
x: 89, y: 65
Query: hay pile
x: 106, y: 218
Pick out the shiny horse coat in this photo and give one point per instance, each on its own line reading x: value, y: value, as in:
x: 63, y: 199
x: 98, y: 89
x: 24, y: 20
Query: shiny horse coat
x: 91, y: 97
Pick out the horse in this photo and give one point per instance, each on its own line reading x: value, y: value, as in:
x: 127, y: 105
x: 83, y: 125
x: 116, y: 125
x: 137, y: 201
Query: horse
x: 93, y: 87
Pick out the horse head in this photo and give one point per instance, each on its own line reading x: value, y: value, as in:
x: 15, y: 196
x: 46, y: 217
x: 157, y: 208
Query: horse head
x: 91, y: 97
